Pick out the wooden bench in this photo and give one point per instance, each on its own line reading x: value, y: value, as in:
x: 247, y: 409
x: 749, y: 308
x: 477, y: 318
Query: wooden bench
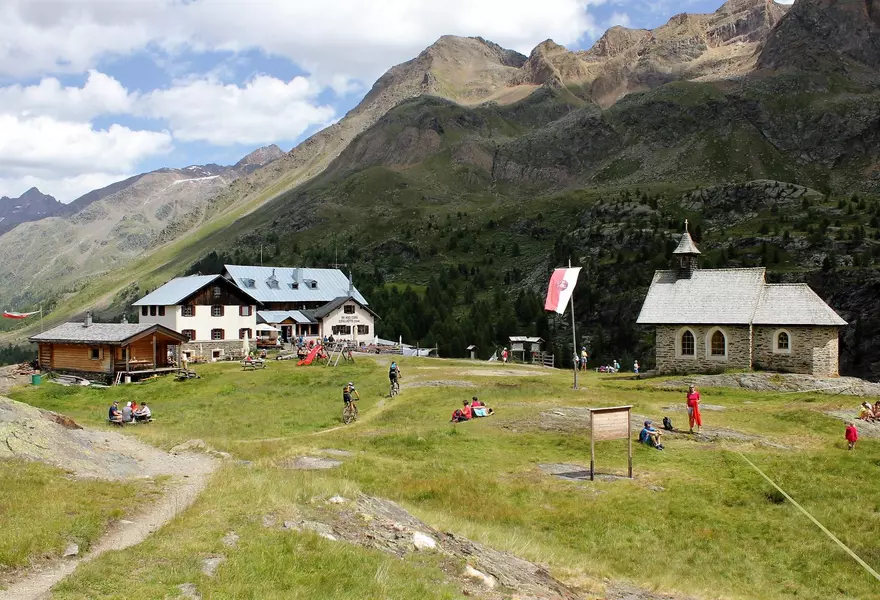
x: 253, y: 365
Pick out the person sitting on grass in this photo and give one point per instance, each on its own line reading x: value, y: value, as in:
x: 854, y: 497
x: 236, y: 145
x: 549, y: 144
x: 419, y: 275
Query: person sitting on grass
x: 650, y: 436
x: 851, y: 434
x: 114, y: 415
x: 478, y: 409
x: 462, y: 414
x: 866, y: 413
x: 144, y: 413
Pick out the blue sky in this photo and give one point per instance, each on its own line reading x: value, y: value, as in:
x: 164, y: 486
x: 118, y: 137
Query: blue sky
x: 93, y: 91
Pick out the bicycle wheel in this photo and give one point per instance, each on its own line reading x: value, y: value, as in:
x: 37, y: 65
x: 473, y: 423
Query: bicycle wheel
x: 348, y: 415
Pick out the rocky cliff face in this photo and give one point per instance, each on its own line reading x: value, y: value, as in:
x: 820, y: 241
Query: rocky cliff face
x: 822, y: 35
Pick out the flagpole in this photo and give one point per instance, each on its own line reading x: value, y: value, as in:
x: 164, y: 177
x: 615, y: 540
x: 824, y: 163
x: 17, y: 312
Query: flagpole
x: 41, y: 318
x: 573, y: 336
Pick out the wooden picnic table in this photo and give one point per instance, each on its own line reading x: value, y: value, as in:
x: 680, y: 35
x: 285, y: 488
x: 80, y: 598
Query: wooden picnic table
x: 257, y: 363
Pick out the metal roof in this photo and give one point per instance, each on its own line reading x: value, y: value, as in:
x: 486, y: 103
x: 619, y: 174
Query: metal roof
x: 794, y: 304
x: 526, y: 339
x: 331, y: 284
x: 279, y: 316
x: 686, y: 245
x: 99, y: 333
x: 176, y: 290
x: 709, y: 296
x: 731, y: 297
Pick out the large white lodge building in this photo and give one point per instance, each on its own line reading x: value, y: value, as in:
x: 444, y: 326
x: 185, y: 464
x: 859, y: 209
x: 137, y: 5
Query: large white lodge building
x: 216, y: 312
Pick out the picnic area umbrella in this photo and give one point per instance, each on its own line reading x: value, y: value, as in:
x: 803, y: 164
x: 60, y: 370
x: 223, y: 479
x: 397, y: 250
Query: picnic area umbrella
x: 246, y: 344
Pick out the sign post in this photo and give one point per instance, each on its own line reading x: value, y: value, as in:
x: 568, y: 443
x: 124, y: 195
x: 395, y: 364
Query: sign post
x: 610, y: 424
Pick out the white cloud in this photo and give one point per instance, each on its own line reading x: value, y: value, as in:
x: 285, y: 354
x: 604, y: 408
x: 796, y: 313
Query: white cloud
x: 101, y: 94
x: 327, y: 38
x: 619, y: 18
x: 263, y: 110
x: 48, y: 148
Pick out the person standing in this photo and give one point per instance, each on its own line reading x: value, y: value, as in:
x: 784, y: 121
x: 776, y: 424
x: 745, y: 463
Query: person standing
x: 504, y: 356
x: 851, y: 434
x: 584, y: 357
x: 693, y: 407
x: 636, y: 367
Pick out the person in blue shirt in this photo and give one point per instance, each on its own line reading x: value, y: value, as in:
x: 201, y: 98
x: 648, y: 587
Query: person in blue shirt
x: 113, y: 414
x: 650, y: 436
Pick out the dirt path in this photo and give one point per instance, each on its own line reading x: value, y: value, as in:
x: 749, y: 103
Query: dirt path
x: 181, y: 493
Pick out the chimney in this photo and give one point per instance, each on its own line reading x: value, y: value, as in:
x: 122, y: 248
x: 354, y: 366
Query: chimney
x: 124, y: 319
x: 87, y: 322
x: 297, y: 275
x: 350, y: 284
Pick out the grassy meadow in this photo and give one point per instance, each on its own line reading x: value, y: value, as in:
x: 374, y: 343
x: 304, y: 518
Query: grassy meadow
x: 695, y: 520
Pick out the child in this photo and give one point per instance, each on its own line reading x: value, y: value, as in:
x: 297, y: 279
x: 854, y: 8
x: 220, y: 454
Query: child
x: 852, y: 435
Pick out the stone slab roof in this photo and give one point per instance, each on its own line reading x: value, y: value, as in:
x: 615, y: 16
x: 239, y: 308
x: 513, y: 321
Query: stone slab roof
x: 100, y: 333
x: 732, y: 297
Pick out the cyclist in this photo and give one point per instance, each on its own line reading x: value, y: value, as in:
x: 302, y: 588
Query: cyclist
x: 394, y: 374
x: 347, y: 391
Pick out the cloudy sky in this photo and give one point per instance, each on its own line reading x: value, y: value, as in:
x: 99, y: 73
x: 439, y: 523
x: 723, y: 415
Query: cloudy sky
x: 92, y: 91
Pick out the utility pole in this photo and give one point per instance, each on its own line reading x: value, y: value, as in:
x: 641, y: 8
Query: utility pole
x: 573, y: 337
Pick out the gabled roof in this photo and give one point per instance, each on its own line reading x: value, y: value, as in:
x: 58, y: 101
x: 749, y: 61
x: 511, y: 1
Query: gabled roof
x: 709, y: 296
x: 794, y: 304
x: 732, y: 297
x: 525, y: 339
x: 102, y: 333
x: 331, y: 284
x: 279, y: 316
x: 320, y: 313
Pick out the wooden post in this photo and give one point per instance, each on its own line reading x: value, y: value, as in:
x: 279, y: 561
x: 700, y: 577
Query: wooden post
x: 127, y: 350
x: 592, y: 444
x: 154, y: 351
x: 629, y: 442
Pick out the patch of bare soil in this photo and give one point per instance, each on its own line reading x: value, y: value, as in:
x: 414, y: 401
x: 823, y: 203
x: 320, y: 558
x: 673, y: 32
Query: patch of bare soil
x: 32, y: 434
x: 865, y: 429
x: 574, y: 472
x: 778, y: 382
x: 703, y: 406
x: 441, y: 383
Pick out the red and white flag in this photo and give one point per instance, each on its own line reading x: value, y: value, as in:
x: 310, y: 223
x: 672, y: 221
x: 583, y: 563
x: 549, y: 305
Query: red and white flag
x: 8, y: 314
x: 561, y: 288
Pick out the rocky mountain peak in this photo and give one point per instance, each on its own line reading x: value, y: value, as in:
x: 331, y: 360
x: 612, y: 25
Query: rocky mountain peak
x: 31, y: 205
x: 616, y: 41
x: 261, y: 156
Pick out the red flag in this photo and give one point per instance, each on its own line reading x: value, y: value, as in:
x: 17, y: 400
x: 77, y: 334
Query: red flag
x: 8, y: 314
x: 561, y: 288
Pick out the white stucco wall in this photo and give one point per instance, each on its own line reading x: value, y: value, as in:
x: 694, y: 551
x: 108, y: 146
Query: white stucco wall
x: 360, y: 317
x: 203, y: 322
x: 170, y: 320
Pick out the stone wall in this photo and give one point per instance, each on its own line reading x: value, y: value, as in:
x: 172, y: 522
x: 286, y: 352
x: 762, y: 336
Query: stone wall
x: 204, y: 351
x: 669, y: 361
x: 813, y: 350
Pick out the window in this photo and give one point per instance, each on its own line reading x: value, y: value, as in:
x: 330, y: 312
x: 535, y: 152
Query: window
x: 348, y: 309
x: 217, y: 334
x: 144, y: 310
x: 718, y: 344
x: 190, y: 333
x: 217, y: 291
x: 188, y: 311
x: 249, y: 283
x: 782, y: 342
x: 688, y: 344
x: 244, y: 311
x: 294, y: 285
x: 272, y: 283
x: 363, y: 329
x: 161, y: 311
x: 152, y: 311
x: 216, y: 311
x: 342, y: 330
x: 313, y: 285
x: 95, y: 353
x: 245, y: 332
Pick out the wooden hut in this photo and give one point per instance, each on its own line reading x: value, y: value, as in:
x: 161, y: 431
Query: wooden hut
x: 107, y: 351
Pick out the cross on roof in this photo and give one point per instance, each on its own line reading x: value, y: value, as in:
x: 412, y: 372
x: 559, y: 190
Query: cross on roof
x: 685, y: 225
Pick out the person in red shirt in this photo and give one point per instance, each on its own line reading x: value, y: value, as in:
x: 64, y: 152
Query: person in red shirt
x: 466, y: 410
x: 852, y: 435
x: 693, y: 406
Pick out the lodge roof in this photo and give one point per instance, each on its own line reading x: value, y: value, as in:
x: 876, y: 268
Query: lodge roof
x: 102, y: 333
x: 294, y: 285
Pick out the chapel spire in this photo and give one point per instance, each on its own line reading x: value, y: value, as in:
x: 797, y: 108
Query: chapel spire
x: 686, y: 254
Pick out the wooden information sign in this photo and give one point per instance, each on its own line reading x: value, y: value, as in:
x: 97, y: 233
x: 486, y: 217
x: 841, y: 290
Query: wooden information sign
x: 610, y: 424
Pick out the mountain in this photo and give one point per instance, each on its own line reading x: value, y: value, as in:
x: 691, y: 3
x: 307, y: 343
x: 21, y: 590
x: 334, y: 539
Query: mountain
x: 260, y: 157
x: 30, y: 206
x: 471, y: 170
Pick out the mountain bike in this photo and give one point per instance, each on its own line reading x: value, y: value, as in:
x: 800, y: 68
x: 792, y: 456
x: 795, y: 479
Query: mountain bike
x: 350, y: 412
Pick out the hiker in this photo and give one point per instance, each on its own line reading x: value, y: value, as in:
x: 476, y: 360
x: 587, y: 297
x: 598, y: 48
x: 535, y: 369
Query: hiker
x: 126, y: 413
x: 651, y: 436
x: 504, y: 356
x: 636, y: 367
x: 693, y: 408
x: 584, y: 357
x: 851, y: 434
x: 144, y: 413
x: 616, y: 366
x: 114, y: 416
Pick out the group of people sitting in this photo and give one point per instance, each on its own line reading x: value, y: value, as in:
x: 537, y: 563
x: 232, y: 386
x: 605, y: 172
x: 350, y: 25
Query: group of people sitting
x: 471, y: 410
x: 130, y: 413
x: 869, y: 413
